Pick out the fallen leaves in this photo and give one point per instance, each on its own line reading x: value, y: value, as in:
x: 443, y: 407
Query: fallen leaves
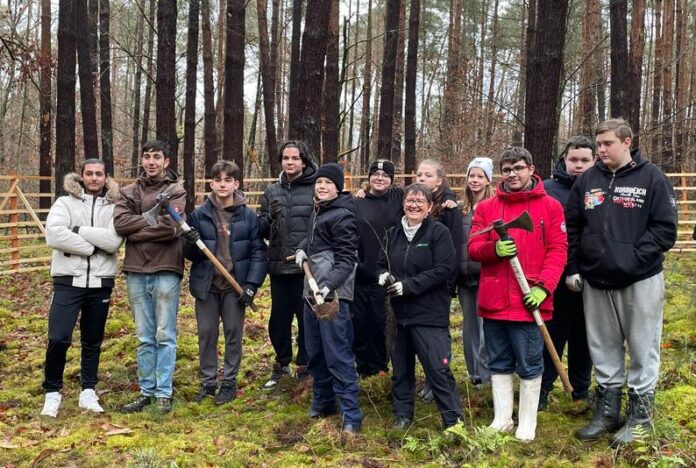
x: 114, y: 429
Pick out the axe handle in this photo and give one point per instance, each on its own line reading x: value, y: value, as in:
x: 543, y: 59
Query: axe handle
x: 524, y: 286
x: 206, y: 251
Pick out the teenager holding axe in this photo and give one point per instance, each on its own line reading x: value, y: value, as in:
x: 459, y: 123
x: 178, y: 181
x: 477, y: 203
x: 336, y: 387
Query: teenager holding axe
x: 513, y: 339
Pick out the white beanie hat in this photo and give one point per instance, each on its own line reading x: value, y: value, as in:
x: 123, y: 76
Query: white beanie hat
x: 483, y: 163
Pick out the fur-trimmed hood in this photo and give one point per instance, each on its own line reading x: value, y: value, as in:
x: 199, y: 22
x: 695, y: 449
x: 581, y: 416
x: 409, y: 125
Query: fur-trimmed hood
x: 73, y: 185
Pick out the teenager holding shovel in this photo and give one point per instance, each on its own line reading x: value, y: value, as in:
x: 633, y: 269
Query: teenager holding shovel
x: 330, y: 249
x: 513, y: 340
x: 230, y: 229
x: 420, y: 259
x: 479, y: 175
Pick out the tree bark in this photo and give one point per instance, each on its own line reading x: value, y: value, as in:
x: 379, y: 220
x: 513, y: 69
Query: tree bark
x: 105, y: 86
x: 386, y: 104
x: 618, y: 98
x: 490, y: 102
x: 45, y: 120
x: 209, y: 135
x: 366, y: 91
x: 150, y: 73
x: 657, y: 81
x: 635, y: 67
x: 88, y: 105
x: 190, y: 111
x: 233, y: 146
x: 588, y: 96
x: 332, y: 91
x: 544, y: 71
x: 311, y: 76
x: 65, y: 94
x: 293, y: 95
x: 268, y: 81
x: 452, y: 93
x: 165, y: 112
x: 398, y: 127
x: 682, y: 85
x: 411, y: 77
x: 667, y: 94
x: 137, y: 87
x: 277, y: 80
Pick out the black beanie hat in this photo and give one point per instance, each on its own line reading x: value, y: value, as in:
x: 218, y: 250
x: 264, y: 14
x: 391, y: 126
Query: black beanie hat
x: 333, y: 172
x: 382, y: 165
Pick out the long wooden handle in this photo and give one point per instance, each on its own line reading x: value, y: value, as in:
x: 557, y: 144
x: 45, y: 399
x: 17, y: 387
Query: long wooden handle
x: 524, y: 286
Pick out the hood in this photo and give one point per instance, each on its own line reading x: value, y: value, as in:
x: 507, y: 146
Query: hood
x: 308, y: 176
x: 239, y: 198
x: 560, y: 173
x: 343, y: 200
x: 537, y: 190
x: 637, y: 161
x: 72, y: 184
x: 168, y: 177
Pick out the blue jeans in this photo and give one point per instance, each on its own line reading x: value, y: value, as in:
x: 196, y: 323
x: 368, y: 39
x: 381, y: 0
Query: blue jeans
x: 154, y: 301
x: 332, y: 363
x: 514, y: 347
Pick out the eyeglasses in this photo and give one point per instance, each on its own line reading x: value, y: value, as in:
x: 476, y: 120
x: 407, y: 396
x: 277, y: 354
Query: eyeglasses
x: 379, y: 174
x: 506, y: 171
x: 419, y: 202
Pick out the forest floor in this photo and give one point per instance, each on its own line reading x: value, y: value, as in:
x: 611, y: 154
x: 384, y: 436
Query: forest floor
x: 270, y: 428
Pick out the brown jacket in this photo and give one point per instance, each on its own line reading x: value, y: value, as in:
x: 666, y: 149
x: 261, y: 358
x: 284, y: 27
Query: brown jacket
x: 149, y: 249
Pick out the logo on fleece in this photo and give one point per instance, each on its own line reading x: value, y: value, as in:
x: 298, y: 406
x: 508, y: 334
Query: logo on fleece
x: 594, y: 197
x: 629, y: 197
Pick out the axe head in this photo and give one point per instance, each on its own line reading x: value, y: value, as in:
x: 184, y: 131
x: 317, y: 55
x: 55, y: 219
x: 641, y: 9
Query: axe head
x: 523, y: 221
x: 162, y: 200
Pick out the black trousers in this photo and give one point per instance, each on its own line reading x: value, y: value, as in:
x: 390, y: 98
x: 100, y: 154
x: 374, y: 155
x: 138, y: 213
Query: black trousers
x: 432, y: 345
x: 368, y: 327
x: 66, y: 304
x: 287, y: 303
x: 568, y: 326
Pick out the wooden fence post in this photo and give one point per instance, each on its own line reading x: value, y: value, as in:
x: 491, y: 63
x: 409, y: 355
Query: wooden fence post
x: 14, y: 219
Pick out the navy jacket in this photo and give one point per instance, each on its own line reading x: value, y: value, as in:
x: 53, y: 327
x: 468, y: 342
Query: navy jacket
x: 620, y: 224
x: 424, y: 267
x: 246, y: 247
x: 560, y: 183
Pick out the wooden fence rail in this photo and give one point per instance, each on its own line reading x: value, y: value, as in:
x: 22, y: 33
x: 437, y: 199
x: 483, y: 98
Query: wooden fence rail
x: 22, y: 232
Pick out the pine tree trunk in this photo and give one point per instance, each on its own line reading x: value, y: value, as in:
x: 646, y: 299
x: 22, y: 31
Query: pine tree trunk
x: 137, y: 85
x: 278, y: 91
x: 452, y: 93
x: 399, y: 88
x: 353, y: 81
x: 219, y: 101
x: 209, y: 135
x: 268, y: 80
x: 490, y: 102
x: 150, y: 75
x: 618, y: 99
x: 105, y: 86
x: 190, y: 111
x: 332, y: 91
x: 411, y: 77
x: 65, y: 93
x: 667, y: 95
x: 588, y: 97
x: 386, y: 105
x: 311, y: 78
x: 233, y: 148
x: 45, y: 120
x: 294, y: 94
x: 545, y: 61
x: 88, y: 106
x: 657, y: 82
x: 635, y: 67
x: 166, y: 78
x: 366, y: 92
x: 682, y: 84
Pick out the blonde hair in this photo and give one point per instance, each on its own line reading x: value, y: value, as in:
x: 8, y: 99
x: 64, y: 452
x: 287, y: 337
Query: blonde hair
x: 468, y: 198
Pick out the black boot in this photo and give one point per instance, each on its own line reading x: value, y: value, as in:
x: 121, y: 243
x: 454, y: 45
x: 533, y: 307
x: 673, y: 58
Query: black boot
x: 638, y: 418
x: 607, y: 414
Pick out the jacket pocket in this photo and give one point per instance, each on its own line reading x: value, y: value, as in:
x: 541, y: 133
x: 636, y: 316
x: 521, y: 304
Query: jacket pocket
x: 492, y: 293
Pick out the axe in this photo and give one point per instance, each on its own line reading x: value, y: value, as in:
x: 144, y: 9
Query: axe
x: 163, y: 204
x: 524, y: 221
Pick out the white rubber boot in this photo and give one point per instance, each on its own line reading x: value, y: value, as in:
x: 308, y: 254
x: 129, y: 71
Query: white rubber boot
x: 529, y: 404
x: 503, y: 396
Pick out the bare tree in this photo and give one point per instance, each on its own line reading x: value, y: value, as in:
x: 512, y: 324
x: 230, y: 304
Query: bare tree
x: 85, y: 48
x: 618, y: 100
x: 411, y: 76
x: 150, y: 72
x: 635, y: 66
x: 105, y: 86
x: 386, y: 105
x: 190, y: 111
x: 332, y: 91
x: 293, y: 106
x: 137, y: 87
x: 65, y: 93
x: 209, y: 136
x: 233, y: 146
x: 268, y: 80
x: 365, y: 133
x: 165, y: 113
x: 45, y: 120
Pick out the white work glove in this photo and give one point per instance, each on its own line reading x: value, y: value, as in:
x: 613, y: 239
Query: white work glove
x: 396, y: 289
x: 300, y: 257
x: 574, y: 282
x: 324, y: 292
x: 382, y: 278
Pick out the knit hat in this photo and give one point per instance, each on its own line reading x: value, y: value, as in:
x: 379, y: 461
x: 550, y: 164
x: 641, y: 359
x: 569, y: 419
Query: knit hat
x: 483, y: 163
x: 382, y: 165
x: 333, y: 172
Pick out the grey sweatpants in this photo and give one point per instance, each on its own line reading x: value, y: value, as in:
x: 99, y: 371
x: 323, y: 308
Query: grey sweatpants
x: 474, y: 344
x: 630, y: 317
x: 208, y: 313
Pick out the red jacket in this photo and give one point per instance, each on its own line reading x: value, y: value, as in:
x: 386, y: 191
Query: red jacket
x: 542, y: 252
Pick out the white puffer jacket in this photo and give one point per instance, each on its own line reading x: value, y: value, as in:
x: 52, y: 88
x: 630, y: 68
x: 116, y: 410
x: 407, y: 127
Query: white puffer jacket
x: 74, y: 252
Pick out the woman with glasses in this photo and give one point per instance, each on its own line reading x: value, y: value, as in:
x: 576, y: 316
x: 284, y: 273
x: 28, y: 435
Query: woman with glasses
x: 418, y: 262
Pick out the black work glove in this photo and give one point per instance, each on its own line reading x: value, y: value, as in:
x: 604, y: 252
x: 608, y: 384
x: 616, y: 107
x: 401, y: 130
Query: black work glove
x: 276, y: 209
x: 191, y: 236
x: 248, y: 293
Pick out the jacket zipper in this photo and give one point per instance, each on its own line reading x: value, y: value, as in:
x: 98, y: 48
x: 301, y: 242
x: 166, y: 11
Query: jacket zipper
x: 91, y: 223
x: 605, y: 228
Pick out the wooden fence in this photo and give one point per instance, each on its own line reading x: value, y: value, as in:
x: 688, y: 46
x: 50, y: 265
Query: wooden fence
x: 22, y: 234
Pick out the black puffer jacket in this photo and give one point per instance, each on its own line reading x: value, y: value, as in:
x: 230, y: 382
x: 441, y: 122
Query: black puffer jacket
x: 469, y: 270
x: 424, y: 266
x: 560, y: 183
x: 332, y: 245
x: 287, y: 230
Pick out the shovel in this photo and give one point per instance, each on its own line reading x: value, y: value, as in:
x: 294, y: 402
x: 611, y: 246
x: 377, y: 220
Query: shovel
x: 325, y: 310
x: 163, y: 204
x: 524, y: 221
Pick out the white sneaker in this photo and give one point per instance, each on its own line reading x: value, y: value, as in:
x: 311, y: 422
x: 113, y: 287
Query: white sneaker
x: 90, y: 401
x: 503, y: 395
x: 51, y: 404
